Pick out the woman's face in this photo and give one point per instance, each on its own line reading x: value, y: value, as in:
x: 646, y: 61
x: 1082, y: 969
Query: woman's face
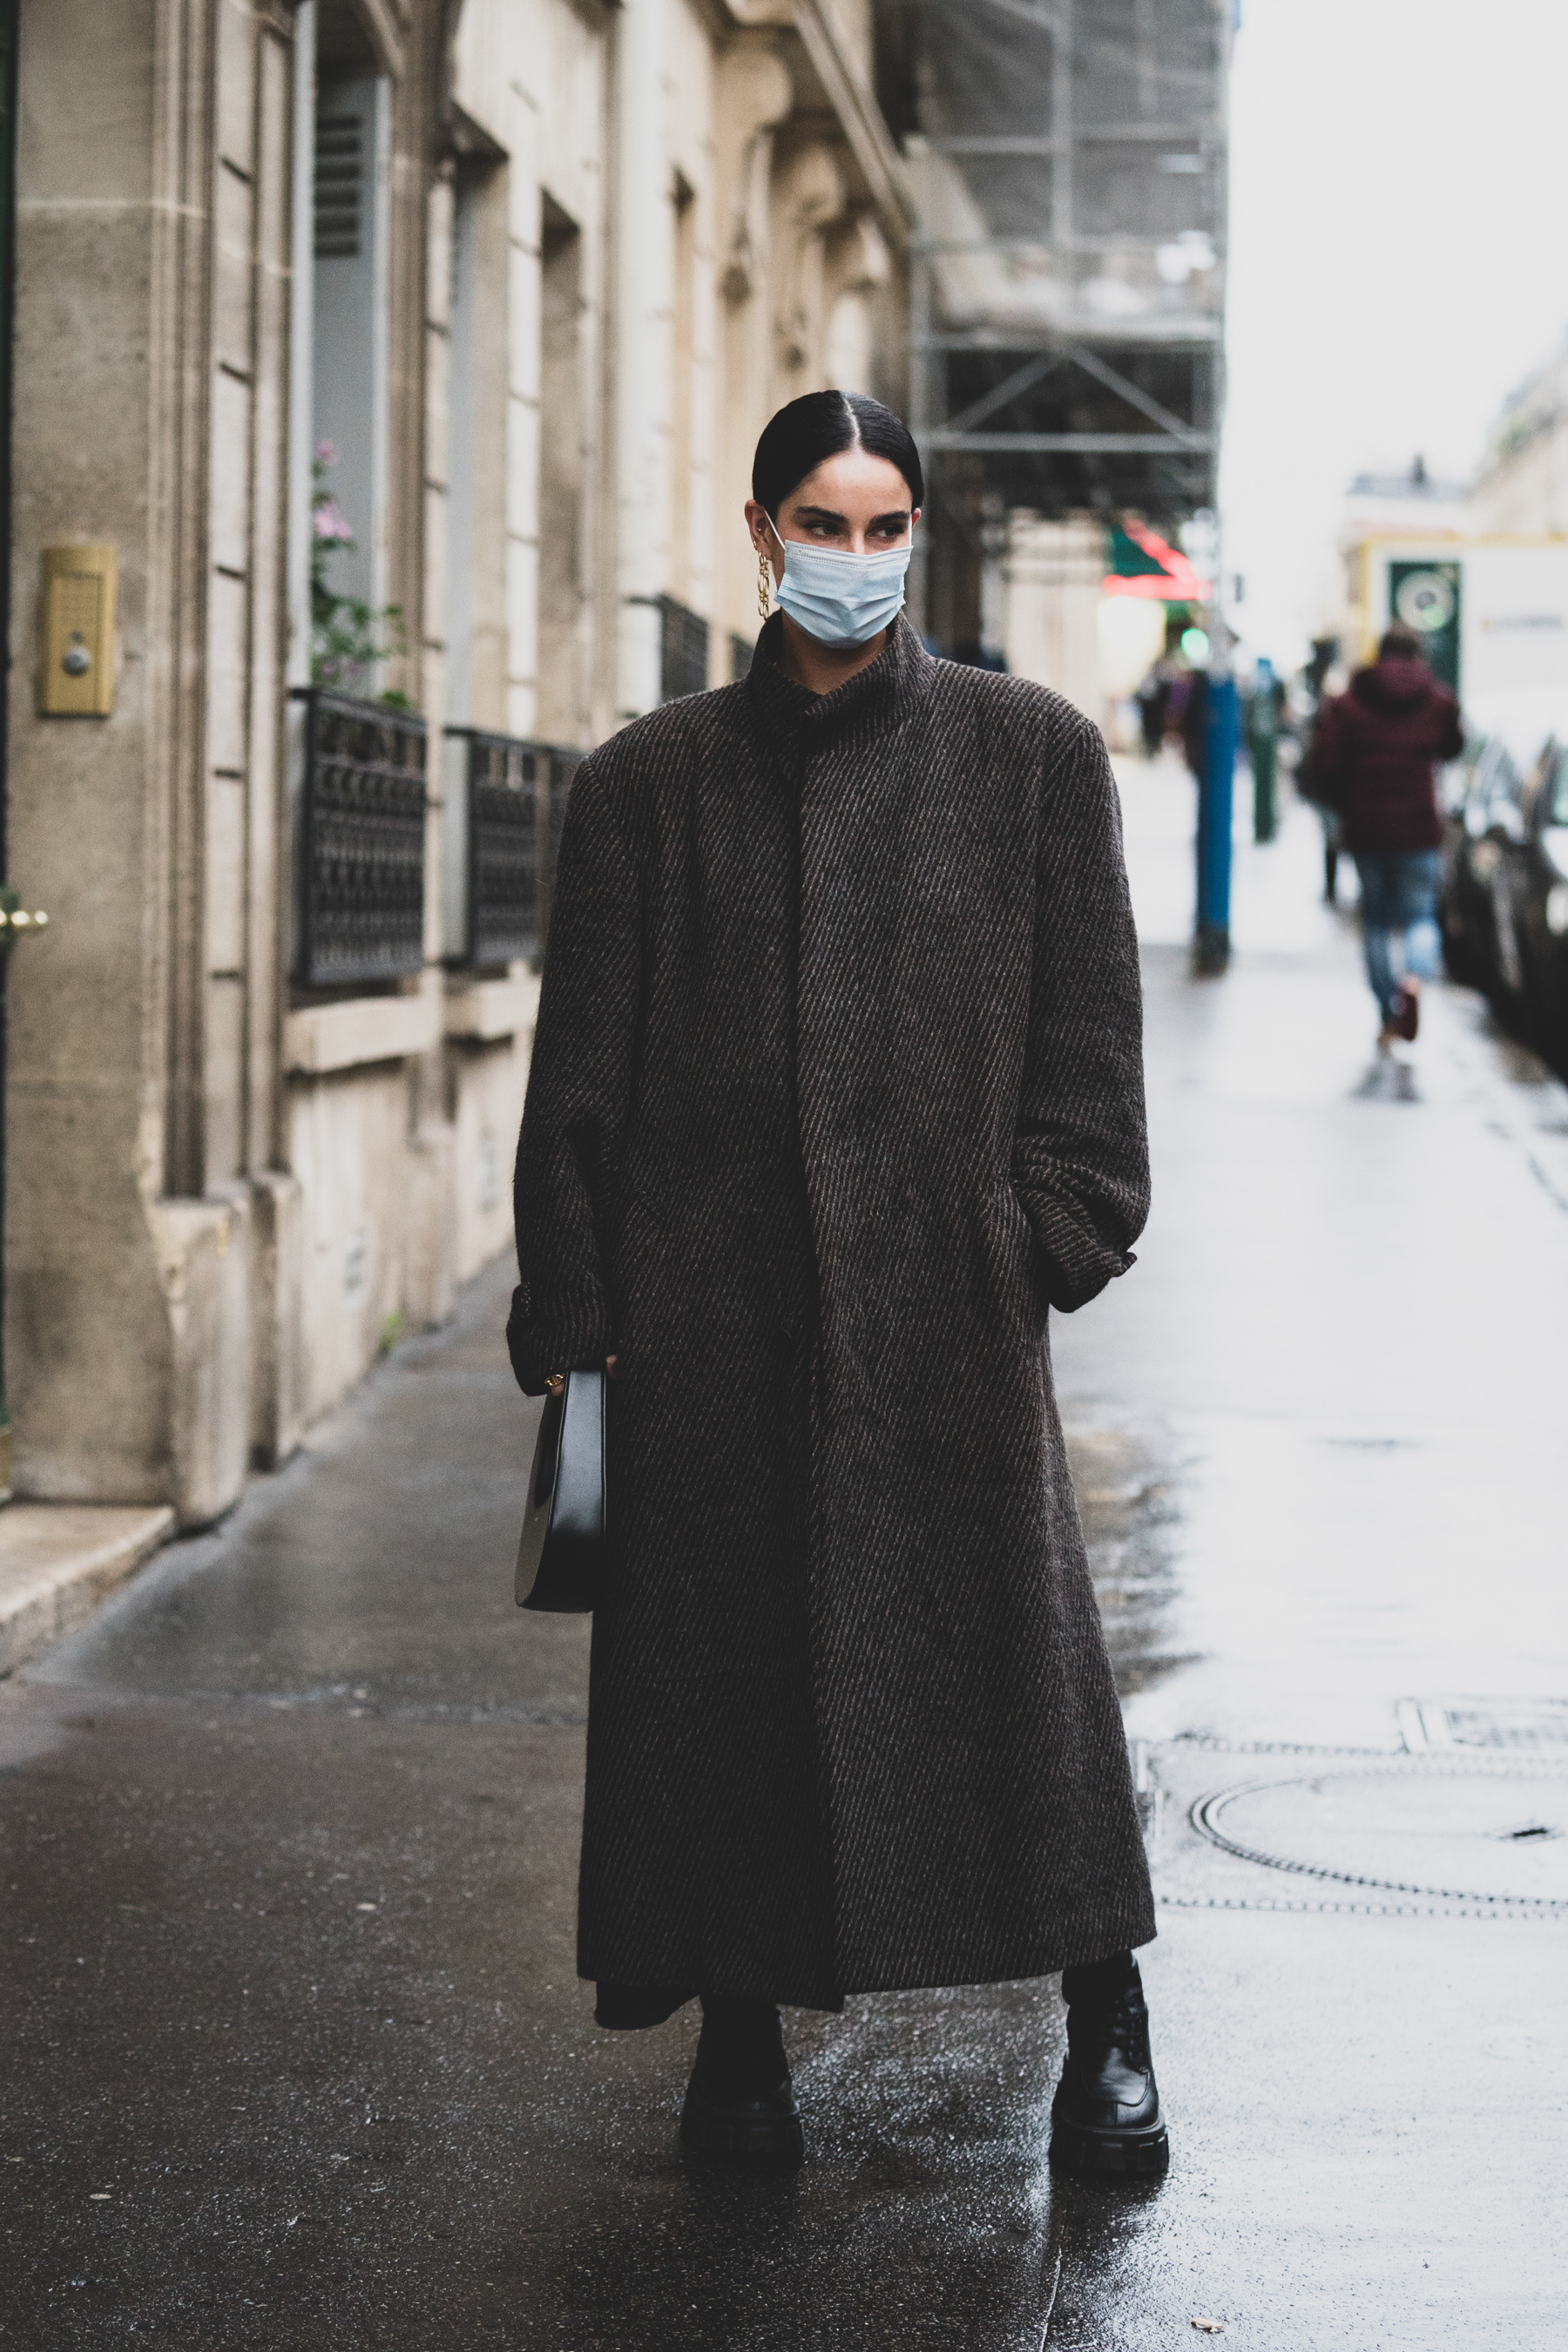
x: 855, y: 502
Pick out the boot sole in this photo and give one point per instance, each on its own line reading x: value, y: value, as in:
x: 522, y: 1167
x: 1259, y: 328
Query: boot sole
x: 1099, y: 2155
x: 711, y: 2132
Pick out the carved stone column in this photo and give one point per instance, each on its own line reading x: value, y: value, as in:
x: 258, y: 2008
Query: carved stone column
x: 808, y: 196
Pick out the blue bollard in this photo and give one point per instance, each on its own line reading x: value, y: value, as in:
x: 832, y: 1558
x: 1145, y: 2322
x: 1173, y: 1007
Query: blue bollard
x: 1222, y: 735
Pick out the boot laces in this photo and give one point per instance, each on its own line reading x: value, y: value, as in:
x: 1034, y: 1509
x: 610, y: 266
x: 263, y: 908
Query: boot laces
x: 1124, y: 2022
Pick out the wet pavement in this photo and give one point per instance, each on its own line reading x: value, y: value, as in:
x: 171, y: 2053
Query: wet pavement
x: 295, y: 2055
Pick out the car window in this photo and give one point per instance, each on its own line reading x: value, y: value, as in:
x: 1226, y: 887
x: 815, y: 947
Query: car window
x: 1559, y: 803
x: 1537, y: 778
x: 1481, y: 774
x: 1473, y: 808
x: 1504, y: 781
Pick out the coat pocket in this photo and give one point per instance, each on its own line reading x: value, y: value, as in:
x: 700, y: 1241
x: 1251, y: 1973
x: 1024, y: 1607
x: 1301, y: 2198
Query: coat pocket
x: 1015, y: 1257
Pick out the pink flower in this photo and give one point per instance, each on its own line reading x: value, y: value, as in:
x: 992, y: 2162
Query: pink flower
x: 326, y: 453
x: 329, y: 522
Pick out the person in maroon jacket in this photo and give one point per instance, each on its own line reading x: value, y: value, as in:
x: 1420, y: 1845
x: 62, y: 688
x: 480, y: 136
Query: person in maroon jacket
x: 1374, y: 755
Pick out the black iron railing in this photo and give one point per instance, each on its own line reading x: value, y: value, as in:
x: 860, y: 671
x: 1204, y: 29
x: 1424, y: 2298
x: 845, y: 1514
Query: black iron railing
x: 360, y: 875
x: 507, y: 803
x: 682, y: 651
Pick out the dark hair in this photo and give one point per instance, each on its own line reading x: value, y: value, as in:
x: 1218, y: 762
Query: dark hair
x: 1400, y: 644
x: 820, y: 424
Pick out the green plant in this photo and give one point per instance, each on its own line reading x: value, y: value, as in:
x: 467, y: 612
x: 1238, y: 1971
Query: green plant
x: 348, y: 636
x: 391, y: 1330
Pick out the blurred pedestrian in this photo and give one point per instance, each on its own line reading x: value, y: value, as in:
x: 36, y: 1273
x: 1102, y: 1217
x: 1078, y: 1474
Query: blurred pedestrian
x: 1176, y: 705
x: 1194, y: 720
x: 1264, y: 717
x: 1314, y: 682
x: 1153, y: 704
x: 1328, y: 819
x: 836, y: 1089
x: 1374, y: 754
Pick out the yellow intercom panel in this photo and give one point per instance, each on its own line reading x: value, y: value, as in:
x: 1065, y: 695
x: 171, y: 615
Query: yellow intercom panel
x: 76, y: 679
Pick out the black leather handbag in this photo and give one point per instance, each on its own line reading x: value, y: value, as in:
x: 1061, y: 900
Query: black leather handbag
x: 561, y: 1553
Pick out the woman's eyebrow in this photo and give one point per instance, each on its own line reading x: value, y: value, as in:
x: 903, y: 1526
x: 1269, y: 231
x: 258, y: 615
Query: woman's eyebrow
x: 895, y: 518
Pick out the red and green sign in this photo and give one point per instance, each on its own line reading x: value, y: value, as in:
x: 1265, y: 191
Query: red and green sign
x: 1141, y: 564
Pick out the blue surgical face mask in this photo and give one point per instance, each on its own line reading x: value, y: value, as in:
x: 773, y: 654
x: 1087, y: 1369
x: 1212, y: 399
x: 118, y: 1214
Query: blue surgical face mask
x: 837, y: 598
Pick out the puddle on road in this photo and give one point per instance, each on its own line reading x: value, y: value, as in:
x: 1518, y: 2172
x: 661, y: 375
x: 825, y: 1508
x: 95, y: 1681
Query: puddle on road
x: 1126, y: 1498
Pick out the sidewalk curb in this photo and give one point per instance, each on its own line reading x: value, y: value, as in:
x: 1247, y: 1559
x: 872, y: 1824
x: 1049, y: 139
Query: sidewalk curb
x: 59, y: 1560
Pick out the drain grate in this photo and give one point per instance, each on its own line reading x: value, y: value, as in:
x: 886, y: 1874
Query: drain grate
x: 1527, y: 1724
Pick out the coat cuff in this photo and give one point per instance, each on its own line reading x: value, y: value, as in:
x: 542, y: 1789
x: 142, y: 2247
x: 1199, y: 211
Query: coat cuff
x: 562, y: 1330
x: 1076, y: 1262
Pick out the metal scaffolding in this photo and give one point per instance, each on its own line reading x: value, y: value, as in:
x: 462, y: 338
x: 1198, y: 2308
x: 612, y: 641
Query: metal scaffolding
x: 1068, y: 273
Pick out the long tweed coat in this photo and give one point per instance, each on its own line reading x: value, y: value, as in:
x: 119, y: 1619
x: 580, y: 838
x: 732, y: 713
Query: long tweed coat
x: 836, y: 1084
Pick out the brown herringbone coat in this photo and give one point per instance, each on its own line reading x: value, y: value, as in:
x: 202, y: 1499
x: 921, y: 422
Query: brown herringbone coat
x: 837, y: 1083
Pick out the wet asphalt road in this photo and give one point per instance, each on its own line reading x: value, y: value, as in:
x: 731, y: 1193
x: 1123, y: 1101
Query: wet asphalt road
x: 295, y: 2052
x: 289, y: 1846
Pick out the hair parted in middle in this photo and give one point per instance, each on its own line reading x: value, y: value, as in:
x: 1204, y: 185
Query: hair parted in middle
x: 820, y: 424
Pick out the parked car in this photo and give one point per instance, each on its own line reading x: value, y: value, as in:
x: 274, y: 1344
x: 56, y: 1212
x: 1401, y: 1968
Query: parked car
x: 1481, y: 816
x: 1532, y: 891
x: 1504, y: 908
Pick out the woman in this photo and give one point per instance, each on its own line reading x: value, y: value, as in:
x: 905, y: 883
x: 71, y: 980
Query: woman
x: 836, y: 1087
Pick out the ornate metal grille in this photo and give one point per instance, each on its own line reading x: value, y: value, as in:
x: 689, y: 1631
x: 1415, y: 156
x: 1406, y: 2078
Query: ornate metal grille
x: 362, y: 842
x: 683, y: 651
x: 339, y: 186
x: 514, y: 795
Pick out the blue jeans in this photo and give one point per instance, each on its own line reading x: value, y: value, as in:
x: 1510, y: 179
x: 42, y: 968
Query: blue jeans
x: 1399, y: 918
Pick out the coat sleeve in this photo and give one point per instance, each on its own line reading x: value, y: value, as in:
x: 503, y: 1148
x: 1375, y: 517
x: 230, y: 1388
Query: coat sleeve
x: 579, y: 1093
x: 1081, y: 1150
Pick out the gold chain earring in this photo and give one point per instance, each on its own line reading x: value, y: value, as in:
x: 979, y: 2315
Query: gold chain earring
x: 764, y: 583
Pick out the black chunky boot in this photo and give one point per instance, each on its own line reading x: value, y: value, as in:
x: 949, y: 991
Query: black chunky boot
x: 1106, y: 2116
x: 739, y: 2101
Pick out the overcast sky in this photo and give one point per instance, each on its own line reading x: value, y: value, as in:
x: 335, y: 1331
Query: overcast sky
x: 1399, y: 189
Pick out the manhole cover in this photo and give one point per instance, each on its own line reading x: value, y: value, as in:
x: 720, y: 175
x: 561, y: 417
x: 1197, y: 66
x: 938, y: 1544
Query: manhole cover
x: 1479, y: 1836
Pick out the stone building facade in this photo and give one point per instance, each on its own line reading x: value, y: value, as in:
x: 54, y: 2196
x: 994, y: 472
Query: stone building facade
x: 1523, y: 486
x: 408, y: 349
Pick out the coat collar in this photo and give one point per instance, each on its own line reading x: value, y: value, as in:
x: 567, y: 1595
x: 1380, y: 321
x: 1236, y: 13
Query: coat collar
x: 875, y: 700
